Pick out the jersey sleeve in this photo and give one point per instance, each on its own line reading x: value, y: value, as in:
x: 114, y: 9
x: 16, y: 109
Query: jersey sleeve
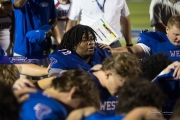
x: 125, y: 10
x: 146, y: 39
x: 57, y: 61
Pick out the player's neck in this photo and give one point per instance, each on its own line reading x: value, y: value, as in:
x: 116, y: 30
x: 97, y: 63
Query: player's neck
x: 60, y: 96
x: 63, y: 1
x: 101, y: 77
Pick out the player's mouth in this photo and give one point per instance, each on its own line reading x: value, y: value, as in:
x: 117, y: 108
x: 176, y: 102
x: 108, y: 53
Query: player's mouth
x: 91, y: 48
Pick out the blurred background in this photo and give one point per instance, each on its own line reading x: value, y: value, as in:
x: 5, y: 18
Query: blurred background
x: 139, y: 16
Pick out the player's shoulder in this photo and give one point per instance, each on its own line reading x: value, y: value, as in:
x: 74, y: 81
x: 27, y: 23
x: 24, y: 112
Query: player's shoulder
x: 62, y: 52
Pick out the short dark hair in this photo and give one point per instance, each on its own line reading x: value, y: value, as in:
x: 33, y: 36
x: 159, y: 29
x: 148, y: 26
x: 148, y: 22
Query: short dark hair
x: 9, y: 106
x: 86, y: 88
x: 137, y: 93
x: 5, y: 2
x: 73, y: 37
x: 152, y: 65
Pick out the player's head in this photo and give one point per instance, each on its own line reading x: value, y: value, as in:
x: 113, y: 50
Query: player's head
x: 80, y: 88
x: 81, y: 39
x: 176, y: 111
x: 6, y: 6
x: 152, y: 65
x: 138, y: 93
x: 8, y: 73
x: 9, y: 106
x: 118, y: 68
x: 173, y: 30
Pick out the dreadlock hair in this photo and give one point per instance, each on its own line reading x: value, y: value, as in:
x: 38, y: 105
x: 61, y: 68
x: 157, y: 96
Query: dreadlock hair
x: 73, y: 37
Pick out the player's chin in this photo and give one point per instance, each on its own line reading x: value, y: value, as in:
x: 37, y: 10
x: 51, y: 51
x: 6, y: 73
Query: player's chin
x: 177, y: 44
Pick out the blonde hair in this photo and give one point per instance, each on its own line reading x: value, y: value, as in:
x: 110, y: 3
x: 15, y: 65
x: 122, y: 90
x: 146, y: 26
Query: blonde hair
x: 8, y: 74
x: 174, y: 21
x: 124, y: 64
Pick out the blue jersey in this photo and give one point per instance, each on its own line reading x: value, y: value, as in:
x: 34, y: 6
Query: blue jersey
x: 171, y: 89
x: 33, y: 15
x: 41, y: 107
x: 108, y: 102
x: 1, y: 51
x: 66, y: 59
x: 159, y: 42
x: 100, y: 116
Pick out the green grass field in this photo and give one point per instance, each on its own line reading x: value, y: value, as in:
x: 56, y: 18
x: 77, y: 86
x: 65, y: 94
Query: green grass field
x: 139, y: 16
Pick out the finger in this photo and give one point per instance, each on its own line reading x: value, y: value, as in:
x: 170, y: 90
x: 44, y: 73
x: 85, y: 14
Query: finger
x: 24, y: 91
x: 176, y: 72
x: 23, y: 98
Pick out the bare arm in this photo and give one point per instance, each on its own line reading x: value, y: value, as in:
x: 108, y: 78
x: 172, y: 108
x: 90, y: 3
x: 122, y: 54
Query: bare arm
x: 126, y: 28
x: 19, y: 3
x: 70, y: 24
x: 32, y: 69
x: 160, y: 27
x: 57, y: 34
x: 45, y: 83
x: 136, y: 49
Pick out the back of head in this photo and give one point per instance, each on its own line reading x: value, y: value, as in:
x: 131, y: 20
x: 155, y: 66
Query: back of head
x: 152, y: 65
x: 8, y: 73
x: 176, y: 111
x: 137, y: 93
x: 86, y: 89
x: 125, y: 64
x: 174, y: 21
x: 73, y: 37
x: 9, y: 107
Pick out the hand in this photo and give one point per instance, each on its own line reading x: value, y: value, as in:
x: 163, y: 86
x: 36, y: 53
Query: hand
x: 22, y: 83
x: 174, y: 66
x: 104, y: 46
x: 22, y: 94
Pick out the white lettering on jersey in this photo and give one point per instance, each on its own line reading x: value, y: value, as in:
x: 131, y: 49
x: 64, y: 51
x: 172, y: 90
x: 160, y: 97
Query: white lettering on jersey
x: 175, y: 53
x: 41, y: 110
x: 108, y: 105
x: 52, y: 61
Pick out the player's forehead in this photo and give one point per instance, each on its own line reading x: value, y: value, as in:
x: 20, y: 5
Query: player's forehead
x: 89, y: 34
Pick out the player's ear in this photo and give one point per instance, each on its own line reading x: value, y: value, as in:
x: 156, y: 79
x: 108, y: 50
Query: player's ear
x: 71, y: 92
x: 167, y: 29
x: 108, y: 74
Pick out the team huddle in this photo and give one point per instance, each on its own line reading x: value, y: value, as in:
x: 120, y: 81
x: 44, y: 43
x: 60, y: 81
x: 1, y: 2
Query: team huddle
x: 81, y: 79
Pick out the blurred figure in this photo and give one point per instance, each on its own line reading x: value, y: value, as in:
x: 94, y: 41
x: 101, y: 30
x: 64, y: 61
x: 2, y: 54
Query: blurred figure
x: 78, y: 50
x: 62, y: 7
x: 160, y: 11
x: 150, y: 43
x: 9, y: 106
x: 40, y: 15
x: 115, y: 70
x: 135, y: 95
x: 169, y: 81
x: 6, y: 26
x: 115, y: 13
x: 73, y: 89
x: 152, y: 65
